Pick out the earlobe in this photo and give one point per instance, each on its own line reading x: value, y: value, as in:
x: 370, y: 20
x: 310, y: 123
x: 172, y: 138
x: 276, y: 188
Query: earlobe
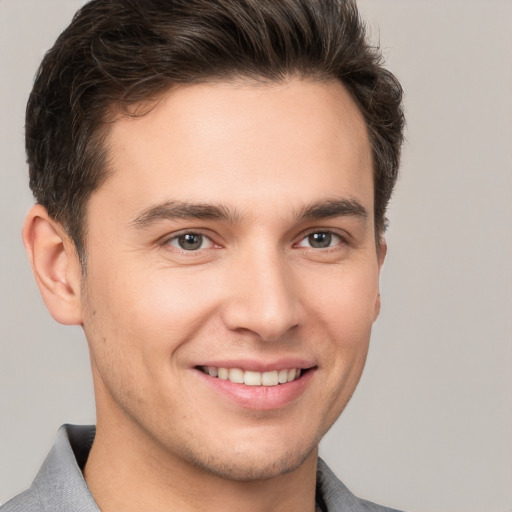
x: 55, y: 265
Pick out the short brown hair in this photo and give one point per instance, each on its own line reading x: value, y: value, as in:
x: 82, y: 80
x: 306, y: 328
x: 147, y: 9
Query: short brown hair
x: 116, y: 53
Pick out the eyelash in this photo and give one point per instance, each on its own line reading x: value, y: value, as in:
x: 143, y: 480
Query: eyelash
x: 176, y: 238
x: 331, y: 234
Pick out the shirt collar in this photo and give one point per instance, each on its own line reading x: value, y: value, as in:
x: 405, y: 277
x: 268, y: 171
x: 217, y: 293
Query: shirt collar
x: 61, y: 486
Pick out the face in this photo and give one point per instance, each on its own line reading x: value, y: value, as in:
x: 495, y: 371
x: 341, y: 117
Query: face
x: 232, y: 273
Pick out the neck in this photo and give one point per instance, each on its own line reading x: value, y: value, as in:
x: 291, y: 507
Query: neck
x: 127, y: 470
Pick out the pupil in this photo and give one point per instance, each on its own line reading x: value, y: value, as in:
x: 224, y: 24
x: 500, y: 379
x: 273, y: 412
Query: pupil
x: 190, y: 241
x: 320, y: 240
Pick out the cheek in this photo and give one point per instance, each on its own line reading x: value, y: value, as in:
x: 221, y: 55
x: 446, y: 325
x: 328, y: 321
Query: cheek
x: 345, y: 313
x: 345, y: 301
x: 135, y: 328
x: 145, y: 313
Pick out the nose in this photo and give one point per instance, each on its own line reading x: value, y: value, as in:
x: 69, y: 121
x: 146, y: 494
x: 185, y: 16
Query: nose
x: 262, y: 297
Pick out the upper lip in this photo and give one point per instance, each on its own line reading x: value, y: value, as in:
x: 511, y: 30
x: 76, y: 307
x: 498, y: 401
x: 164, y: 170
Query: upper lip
x: 260, y: 366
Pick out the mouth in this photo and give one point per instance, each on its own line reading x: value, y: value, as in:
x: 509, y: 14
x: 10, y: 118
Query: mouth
x: 254, y: 378
x: 256, y: 386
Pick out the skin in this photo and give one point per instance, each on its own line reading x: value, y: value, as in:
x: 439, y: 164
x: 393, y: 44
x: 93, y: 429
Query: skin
x: 256, y: 292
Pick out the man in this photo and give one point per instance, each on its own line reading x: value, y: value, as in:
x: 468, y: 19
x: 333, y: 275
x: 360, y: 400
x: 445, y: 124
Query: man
x: 211, y: 179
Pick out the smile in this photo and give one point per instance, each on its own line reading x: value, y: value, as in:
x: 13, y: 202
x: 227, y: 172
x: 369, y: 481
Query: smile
x: 253, y: 378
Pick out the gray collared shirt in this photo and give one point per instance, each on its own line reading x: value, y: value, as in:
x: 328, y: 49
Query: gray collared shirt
x: 60, y: 486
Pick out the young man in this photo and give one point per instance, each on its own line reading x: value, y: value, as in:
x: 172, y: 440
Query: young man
x: 211, y: 179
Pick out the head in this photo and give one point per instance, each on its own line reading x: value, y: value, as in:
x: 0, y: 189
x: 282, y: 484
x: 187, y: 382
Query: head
x: 223, y: 169
x: 117, y: 57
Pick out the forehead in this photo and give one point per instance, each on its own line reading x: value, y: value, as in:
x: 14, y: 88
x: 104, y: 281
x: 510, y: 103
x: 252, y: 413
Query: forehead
x: 237, y: 143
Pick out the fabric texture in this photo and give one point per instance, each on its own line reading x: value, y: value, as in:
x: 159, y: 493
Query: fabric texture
x: 60, y: 486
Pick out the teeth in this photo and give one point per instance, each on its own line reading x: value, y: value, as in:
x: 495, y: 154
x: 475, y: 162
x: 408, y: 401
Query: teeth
x: 251, y: 378
x: 269, y: 379
x: 236, y: 375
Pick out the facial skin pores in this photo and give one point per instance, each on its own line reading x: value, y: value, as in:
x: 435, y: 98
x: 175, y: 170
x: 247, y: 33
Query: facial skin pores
x: 213, y: 298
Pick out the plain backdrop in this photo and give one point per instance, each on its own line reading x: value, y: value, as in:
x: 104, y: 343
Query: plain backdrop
x: 430, y: 426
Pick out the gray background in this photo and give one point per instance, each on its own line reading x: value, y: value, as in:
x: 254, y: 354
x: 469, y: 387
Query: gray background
x: 430, y: 427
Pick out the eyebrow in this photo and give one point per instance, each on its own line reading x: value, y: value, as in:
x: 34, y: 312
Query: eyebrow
x: 333, y: 208
x: 172, y: 210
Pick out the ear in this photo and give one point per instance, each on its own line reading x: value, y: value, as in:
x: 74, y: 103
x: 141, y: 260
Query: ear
x: 382, y: 249
x: 55, y: 265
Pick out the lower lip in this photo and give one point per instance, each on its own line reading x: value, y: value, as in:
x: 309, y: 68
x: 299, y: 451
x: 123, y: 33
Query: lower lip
x: 261, y: 398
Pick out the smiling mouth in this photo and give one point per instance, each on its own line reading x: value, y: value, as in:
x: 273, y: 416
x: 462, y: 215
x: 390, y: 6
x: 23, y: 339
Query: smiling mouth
x: 252, y: 378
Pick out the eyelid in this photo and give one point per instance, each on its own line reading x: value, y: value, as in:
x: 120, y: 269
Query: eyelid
x: 205, y: 241
x: 341, y: 235
x: 167, y: 239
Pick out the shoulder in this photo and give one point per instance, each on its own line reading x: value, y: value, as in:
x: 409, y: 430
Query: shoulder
x: 59, y: 485
x: 336, y: 496
x: 26, y: 501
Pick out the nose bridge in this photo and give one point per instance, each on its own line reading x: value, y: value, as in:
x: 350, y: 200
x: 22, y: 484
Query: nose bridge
x: 263, y: 297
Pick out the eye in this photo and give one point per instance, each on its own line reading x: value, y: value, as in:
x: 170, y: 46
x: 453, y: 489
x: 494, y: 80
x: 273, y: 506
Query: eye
x: 191, y: 242
x: 320, y: 240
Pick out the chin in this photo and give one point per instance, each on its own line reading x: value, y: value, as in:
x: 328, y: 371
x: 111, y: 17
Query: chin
x: 247, y: 466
